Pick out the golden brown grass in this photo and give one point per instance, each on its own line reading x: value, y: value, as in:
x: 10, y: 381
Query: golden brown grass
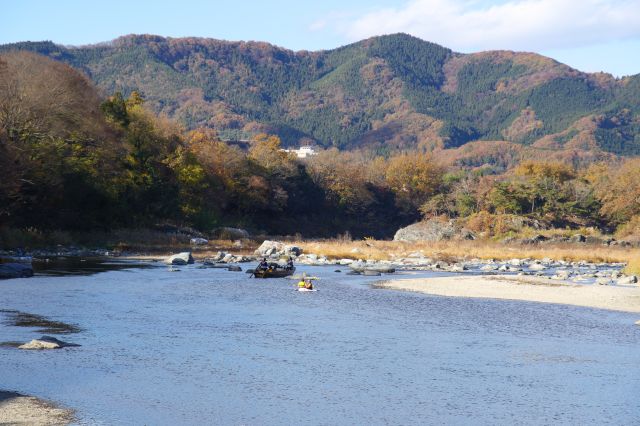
x: 633, y: 266
x: 448, y: 250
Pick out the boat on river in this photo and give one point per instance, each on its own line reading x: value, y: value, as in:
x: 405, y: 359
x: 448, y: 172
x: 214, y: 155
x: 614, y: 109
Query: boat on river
x: 273, y: 272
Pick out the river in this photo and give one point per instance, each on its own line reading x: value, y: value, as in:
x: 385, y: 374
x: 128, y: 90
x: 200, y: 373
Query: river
x: 209, y: 346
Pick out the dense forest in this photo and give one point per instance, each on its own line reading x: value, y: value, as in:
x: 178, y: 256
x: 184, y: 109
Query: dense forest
x: 73, y: 159
x: 386, y: 94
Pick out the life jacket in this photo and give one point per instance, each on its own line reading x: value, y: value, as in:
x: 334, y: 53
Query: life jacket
x: 301, y: 284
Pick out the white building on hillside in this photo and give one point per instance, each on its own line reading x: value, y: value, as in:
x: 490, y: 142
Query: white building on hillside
x: 303, y: 151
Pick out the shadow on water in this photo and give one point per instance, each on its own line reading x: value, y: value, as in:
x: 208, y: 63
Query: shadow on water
x: 63, y: 266
x: 23, y: 319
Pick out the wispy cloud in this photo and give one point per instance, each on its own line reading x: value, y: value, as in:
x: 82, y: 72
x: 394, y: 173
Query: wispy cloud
x: 469, y: 25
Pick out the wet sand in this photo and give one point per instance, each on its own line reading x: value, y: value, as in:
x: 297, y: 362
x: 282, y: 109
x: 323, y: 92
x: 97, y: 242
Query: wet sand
x: 17, y: 409
x: 532, y: 289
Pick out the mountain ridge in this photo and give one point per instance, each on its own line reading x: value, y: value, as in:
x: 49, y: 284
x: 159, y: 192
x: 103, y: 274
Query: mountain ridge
x: 387, y: 93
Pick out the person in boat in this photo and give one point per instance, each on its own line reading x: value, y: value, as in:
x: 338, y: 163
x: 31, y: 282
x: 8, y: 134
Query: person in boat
x: 290, y: 264
x: 305, y: 283
x: 263, y: 265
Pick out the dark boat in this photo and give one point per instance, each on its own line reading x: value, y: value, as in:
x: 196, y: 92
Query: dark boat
x: 273, y: 272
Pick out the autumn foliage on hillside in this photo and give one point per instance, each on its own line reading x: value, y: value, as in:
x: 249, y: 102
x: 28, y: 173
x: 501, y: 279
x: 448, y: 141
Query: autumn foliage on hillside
x: 389, y: 93
x: 73, y: 159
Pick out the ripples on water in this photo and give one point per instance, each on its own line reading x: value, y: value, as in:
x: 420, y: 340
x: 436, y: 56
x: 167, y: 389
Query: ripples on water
x: 212, y: 346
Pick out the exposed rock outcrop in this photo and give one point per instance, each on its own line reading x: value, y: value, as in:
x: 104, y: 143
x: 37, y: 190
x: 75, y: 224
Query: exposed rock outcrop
x: 433, y: 230
x: 277, y: 249
x: 183, y: 258
x: 46, y: 342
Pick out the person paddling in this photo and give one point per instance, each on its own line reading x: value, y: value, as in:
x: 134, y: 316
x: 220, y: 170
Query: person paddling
x: 305, y: 283
x: 263, y: 265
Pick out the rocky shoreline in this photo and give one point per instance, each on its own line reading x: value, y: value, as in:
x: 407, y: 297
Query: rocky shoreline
x: 555, y: 270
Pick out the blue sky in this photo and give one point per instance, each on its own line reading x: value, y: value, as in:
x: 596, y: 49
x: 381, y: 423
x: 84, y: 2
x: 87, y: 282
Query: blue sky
x: 590, y: 35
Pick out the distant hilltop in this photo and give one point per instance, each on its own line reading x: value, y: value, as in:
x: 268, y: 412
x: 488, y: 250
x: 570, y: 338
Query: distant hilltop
x: 393, y: 92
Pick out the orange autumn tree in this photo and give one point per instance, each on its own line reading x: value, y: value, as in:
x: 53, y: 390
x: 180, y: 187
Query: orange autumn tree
x: 414, y: 179
x: 618, y: 189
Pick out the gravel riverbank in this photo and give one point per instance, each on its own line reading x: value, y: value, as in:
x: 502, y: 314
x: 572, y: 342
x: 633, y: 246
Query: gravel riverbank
x: 17, y: 409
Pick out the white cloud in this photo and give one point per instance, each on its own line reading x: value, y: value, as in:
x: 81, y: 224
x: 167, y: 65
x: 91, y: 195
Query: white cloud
x: 471, y: 25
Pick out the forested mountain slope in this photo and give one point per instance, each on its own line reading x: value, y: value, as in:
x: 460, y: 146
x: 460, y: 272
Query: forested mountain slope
x: 386, y: 93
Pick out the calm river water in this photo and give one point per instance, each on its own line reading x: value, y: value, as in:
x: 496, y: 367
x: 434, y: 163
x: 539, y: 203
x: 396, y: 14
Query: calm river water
x: 208, y: 346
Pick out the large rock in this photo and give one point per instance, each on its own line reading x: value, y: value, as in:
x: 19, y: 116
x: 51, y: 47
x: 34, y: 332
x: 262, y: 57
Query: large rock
x: 46, y: 342
x: 382, y: 268
x: 276, y: 249
x: 183, y: 258
x: 199, y: 241
x: 15, y: 270
x: 489, y: 267
x: 537, y: 267
x: 292, y: 250
x: 267, y: 248
x: 630, y: 279
x: 358, y: 266
x: 433, y: 230
x: 228, y: 233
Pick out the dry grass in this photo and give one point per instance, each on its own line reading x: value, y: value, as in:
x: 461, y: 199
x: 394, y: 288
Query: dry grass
x: 449, y: 250
x: 633, y: 266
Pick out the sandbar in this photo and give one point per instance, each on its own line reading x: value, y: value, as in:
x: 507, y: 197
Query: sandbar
x: 527, y: 288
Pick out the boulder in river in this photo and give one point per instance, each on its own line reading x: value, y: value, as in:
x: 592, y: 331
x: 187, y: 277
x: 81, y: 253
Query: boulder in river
x: 357, y: 266
x: 15, y: 270
x: 630, y: 279
x: 46, y: 342
x: 183, y: 258
x: 489, y: 267
x: 537, y: 267
x: 562, y: 275
x: 382, y: 268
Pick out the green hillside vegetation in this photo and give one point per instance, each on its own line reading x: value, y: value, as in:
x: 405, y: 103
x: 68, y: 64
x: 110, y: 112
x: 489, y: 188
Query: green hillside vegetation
x: 344, y: 97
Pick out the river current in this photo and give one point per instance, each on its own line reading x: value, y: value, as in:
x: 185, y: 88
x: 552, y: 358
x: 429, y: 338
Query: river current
x: 210, y: 346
